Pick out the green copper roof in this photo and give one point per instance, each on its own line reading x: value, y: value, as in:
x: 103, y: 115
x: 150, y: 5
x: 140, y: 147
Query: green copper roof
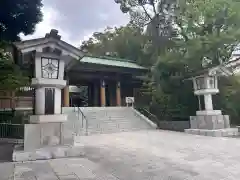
x: 109, y: 61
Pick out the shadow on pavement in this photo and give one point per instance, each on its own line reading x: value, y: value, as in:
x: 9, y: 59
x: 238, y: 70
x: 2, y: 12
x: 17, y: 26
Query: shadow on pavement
x: 6, y: 150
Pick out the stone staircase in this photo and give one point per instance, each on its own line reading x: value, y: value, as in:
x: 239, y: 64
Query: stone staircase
x: 103, y: 120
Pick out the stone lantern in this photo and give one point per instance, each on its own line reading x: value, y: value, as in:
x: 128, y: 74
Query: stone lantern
x: 206, y: 86
x: 209, y: 122
x: 49, y: 134
x: 47, y: 121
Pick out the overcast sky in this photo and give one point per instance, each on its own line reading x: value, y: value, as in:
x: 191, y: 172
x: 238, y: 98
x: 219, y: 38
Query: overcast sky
x: 76, y: 20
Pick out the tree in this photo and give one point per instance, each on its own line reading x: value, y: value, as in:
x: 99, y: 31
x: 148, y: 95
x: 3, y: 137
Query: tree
x: 154, y: 17
x: 18, y: 16
x: 124, y: 42
x: 208, y: 33
x: 11, y: 77
x: 228, y: 98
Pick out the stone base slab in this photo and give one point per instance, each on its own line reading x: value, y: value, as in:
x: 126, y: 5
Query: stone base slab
x: 209, y: 122
x: 208, y: 112
x: 47, y: 134
x: 35, y: 119
x: 43, y: 82
x: 46, y: 153
x: 228, y: 132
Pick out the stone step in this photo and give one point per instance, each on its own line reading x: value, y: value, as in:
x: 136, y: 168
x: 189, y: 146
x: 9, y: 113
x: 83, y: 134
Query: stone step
x: 106, y: 120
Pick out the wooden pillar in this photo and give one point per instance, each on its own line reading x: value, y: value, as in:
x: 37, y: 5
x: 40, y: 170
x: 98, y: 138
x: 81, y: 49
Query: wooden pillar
x: 102, y: 93
x: 66, y: 96
x: 118, y: 94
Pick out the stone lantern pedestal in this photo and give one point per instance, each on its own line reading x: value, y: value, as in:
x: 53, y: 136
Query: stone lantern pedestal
x: 209, y: 122
x: 46, y: 126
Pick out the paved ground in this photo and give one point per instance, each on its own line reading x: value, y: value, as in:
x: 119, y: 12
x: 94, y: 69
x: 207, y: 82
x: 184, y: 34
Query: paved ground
x: 153, y: 155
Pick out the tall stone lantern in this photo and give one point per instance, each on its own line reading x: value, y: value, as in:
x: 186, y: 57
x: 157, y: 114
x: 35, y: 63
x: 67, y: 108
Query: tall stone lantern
x: 48, y: 127
x: 206, y: 86
x: 47, y: 124
x: 209, y: 122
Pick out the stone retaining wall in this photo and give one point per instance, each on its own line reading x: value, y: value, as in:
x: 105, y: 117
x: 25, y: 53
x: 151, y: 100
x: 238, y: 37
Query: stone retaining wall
x: 174, y: 125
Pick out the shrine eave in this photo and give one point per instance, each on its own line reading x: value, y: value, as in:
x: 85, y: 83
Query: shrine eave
x: 111, y: 62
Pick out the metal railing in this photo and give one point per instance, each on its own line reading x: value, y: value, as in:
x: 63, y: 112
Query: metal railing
x: 84, y: 118
x: 8, y: 130
x: 12, y: 123
x: 151, y: 116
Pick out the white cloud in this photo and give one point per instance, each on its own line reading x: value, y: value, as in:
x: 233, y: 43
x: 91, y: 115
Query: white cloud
x: 76, y: 21
x: 49, y: 17
x: 103, y: 16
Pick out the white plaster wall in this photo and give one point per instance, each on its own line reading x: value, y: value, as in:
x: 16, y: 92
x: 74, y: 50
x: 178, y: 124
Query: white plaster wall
x: 40, y: 101
x: 58, y: 101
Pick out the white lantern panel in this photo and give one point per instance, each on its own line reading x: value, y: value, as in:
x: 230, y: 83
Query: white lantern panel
x: 200, y: 83
x: 212, y: 83
x: 50, y: 68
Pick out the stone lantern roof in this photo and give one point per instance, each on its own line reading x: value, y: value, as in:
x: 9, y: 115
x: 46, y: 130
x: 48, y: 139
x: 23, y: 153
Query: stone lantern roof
x: 220, y: 70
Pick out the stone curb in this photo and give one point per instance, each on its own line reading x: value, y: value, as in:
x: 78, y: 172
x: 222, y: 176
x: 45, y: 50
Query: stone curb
x: 152, y: 124
x: 228, y: 132
x: 46, y: 153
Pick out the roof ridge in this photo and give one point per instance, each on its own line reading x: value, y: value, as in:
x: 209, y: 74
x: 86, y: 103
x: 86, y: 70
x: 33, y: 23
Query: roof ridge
x: 112, y: 58
x: 110, y: 62
x: 47, y: 38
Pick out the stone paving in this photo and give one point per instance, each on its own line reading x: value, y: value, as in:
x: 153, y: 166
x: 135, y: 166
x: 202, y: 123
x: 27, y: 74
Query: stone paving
x: 141, y: 155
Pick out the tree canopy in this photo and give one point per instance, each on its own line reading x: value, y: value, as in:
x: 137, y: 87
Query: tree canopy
x: 124, y: 42
x: 11, y: 77
x: 155, y: 17
x: 18, y: 16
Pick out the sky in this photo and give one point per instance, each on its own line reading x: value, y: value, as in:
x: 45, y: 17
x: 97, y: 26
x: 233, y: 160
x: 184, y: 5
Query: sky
x: 77, y: 20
